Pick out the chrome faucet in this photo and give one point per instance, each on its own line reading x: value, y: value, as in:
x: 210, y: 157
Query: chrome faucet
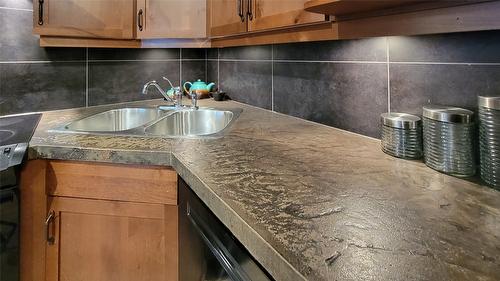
x: 194, y: 100
x: 162, y: 92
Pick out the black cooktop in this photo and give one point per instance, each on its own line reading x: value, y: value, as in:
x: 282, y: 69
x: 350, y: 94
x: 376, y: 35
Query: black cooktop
x: 18, y: 129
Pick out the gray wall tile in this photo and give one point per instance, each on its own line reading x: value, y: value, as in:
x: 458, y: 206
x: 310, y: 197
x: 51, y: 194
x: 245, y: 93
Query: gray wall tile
x: 248, y: 82
x: 413, y: 86
x: 193, y: 70
x: 372, y: 49
x: 113, y: 82
x: 41, y: 86
x: 133, y: 54
x: 347, y: 96
x: 212, y: 72
x: 17, y: 42
x: 212, y: 53
x: 199, y: 54
x: 247, y: 53
x: 455, y: 47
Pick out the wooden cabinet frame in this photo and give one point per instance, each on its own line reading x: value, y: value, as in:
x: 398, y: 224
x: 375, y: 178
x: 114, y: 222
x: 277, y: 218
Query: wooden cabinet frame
x: 97, y: 195
x: 415, y: 19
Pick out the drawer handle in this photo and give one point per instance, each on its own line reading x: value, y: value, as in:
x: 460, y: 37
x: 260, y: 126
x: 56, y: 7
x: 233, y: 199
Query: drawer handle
x: 140, y: 18
x: 50, y: 218
x: 40, y: 12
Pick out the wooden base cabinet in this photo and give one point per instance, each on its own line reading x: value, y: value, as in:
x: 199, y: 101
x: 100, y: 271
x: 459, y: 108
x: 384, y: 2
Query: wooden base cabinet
x: 98, y: 239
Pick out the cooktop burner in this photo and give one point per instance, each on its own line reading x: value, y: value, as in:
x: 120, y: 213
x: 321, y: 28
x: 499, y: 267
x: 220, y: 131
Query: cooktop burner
x: 15, y: 134
x: 18, y: 129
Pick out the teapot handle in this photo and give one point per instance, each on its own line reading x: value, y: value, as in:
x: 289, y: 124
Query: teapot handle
x: 184, y: 86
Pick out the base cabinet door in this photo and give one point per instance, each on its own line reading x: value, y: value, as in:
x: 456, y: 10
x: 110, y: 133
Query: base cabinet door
x: 109, y: 240
x: 269, y: 14
x: 85, y: 18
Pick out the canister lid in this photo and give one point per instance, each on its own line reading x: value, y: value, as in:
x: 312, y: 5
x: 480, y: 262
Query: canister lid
x: 489, y: 102
x: 400, y: 120
x: 448, y: 114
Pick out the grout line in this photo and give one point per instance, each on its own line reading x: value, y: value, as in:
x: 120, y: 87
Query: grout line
x: 206, y: 67
x: 272, y: 77
x: 446, y: 63
x: 86, y: 77
x: 302, y: 61
x: 40, y: 61
x: 161, y: 60
x: 16, y: 9
x: 388, y: 74
x: 180, y: 67
x: 365, y: 62
x: 73, y: 61
x: 218, y: 69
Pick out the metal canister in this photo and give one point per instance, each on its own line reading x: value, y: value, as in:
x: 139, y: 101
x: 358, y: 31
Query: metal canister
x: 449, y: 140
x: 489, y: 140
x: 401, y: 135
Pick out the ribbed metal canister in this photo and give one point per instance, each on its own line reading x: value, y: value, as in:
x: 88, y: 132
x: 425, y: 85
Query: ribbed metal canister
x: 489, y: 140
x: 401, y: 135
x: 449, y: 140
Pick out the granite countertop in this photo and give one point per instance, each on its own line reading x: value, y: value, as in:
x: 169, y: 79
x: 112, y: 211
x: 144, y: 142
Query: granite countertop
x: 313, y: 202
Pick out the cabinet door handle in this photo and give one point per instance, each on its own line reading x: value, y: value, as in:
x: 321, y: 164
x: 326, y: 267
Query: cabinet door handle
x: 40, y: 12
x: 50, y: 218
x: 250, y: 10
x: 140, y: 18
x: 240, y: 10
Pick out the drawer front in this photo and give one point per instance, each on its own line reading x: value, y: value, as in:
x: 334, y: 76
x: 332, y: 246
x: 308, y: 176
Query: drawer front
x: 129, y: 183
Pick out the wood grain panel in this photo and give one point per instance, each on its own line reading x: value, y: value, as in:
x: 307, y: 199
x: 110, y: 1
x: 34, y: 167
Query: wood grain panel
x: 112, y: 182
x: 86, y: 18
x: 471, y: 17
x: 224, y: 18
x: 342, y: 7
x: 103, y: 240
x: 173, y: 19
x: 268, y: 14
x: 33, y: 210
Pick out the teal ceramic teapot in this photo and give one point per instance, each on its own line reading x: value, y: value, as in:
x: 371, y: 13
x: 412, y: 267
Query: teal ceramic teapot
x: 199, y: 87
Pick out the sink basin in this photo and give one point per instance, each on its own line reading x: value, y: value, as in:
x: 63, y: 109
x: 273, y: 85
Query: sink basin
x: 185, y: 123
x: 116, y: 120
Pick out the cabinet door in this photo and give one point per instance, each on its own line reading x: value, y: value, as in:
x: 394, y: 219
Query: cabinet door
x: 268, y: 14
x: 85, y: 18
x: 109, y: 240
x: 171, y: 19
x: 227, y: 17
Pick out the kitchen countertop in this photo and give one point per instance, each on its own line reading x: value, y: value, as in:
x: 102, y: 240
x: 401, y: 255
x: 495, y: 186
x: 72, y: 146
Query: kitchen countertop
x: 313, y: 202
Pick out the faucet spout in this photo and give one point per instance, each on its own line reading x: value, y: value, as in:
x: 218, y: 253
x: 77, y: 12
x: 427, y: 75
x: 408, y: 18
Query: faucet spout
x: 155, y: 84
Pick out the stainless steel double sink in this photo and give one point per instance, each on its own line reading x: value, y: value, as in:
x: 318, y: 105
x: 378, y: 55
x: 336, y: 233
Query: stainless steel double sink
x: 160, y: 121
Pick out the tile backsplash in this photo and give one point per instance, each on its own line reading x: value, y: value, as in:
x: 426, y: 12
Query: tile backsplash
x: 345, y: 84
x: 348, y: 84
x: 37, y: 79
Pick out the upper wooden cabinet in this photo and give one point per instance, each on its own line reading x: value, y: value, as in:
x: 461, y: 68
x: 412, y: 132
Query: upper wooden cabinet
x: 268, y: 14
x: 120, y: 19
x: 85, y: 18
x: 171, y: 19
x: 227, y: 17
